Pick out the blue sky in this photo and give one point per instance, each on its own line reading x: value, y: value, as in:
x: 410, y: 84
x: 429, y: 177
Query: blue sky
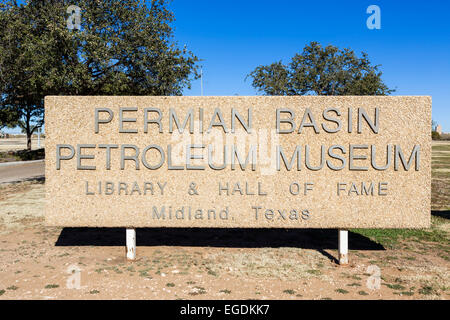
x: 233, y: 37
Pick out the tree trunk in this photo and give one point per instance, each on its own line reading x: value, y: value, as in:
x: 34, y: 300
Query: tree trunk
x: 29, y: 140
x: 28, y: 127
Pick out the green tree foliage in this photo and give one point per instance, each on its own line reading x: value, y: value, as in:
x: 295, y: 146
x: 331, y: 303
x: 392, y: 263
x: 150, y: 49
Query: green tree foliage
x: 121, y: 48
x: 8, y: 117
x: 321, y: 71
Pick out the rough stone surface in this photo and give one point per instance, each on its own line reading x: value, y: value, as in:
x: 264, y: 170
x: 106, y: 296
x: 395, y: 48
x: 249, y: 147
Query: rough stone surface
x: 403, y: 120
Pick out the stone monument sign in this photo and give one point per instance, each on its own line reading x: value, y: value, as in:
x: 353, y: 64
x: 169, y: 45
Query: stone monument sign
x: 291, y: 162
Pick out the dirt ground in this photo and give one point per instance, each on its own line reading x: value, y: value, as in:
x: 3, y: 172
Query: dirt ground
x: 38, y: 262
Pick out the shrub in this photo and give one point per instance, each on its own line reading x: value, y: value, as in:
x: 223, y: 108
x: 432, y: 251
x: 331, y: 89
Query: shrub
x: 435, y: 135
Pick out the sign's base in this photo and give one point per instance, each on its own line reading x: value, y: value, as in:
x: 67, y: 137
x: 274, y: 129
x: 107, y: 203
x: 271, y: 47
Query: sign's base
x: 131, y: 244
x: 343, y: 247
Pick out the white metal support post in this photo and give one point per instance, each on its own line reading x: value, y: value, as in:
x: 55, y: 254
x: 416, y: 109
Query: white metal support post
x: 343, y: 247
x: 131, y: 244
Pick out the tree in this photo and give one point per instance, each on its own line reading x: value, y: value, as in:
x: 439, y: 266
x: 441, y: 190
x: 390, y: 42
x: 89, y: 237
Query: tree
x: 434, y: 134
x: 121, y: 48
x: 8, y: 118
x: 321, y: 71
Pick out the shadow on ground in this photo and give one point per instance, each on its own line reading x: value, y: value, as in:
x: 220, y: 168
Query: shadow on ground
x: 36, y: 179
x: 318, y: 239
x: 443, y: 214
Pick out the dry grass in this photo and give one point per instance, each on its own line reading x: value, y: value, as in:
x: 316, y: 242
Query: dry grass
x: 21, y: 204
x: 14, y: 144
x: 283, y: 263
x: 440, y: 171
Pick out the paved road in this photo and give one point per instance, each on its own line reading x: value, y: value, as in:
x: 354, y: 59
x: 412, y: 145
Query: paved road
x: 21, y: 172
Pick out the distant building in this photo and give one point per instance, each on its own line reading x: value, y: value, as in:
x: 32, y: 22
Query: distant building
x: 439, y: 129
